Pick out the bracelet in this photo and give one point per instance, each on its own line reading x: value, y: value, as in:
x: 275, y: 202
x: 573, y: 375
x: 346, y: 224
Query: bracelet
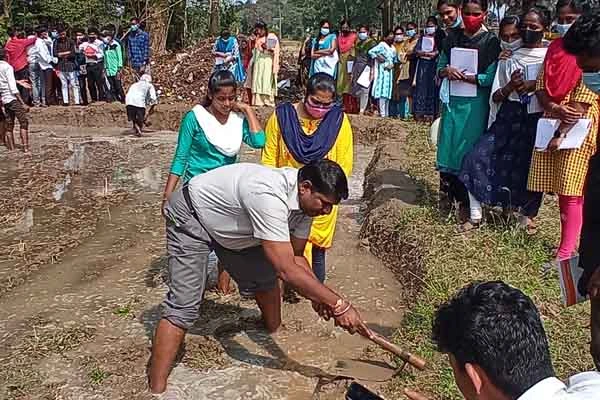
x: 340, y: 313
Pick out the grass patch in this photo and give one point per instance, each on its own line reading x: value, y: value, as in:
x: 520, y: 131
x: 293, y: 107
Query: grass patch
x: 450, y: 261
x: 98, y: 375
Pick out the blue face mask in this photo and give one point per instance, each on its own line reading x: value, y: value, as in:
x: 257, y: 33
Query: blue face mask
x: 134, y: 27
x: 363, y: 35
x: 456, y: 23
x: 562, y: 29
x: 592, y: 81
x: 411, y: 33
x: 324, y: 31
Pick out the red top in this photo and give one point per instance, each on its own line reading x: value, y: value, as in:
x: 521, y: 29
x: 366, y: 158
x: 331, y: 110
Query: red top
x: 16, y: 52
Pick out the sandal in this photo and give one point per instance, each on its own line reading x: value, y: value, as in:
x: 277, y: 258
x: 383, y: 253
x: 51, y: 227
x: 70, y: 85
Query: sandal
x: 469, y: 226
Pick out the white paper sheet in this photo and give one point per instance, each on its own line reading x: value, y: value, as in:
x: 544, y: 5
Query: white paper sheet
x: 427, y: 44
x: 349, y: 66
x: 465, y: 60
x: 271, y: 43
x: 575, y: 137
x: 219, y: 60
x: 531, y: 73
x: 364, y: 79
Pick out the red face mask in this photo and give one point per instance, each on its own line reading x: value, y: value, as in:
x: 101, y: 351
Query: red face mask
x: 473, y: 22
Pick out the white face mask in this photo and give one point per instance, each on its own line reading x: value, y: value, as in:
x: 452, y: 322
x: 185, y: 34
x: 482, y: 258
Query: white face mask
x: 512, y: 46
x: 324, y: 31
x: 363, y: 35
x: 430, y: 30
x: 399, y: 38
x: 562, y: 29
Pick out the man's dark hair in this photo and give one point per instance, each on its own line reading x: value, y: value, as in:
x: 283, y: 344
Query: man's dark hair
x: 498, y: 328
x: 583, y: 37
x: 11, y: 31
x: 2, y: 54
x: 320, y: 82
x: 327, y: 178
x: 40, y: 29
x: 77, y: 30
x: 93, y: 31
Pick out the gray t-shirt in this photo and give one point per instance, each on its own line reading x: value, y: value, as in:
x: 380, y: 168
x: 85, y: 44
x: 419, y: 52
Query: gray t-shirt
x: 242, y: 204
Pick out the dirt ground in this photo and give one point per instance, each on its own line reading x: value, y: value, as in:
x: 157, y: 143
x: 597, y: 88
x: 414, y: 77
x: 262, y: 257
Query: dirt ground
x: 82, y: 272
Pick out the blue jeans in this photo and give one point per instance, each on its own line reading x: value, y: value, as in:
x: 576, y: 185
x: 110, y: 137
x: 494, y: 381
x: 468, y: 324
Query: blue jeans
x: 318, y: 262
x: 37, y: 86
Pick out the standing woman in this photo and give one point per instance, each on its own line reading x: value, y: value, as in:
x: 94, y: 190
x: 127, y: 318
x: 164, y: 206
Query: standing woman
x: 384, y: 56
x: 362, y: 61
x: 309, y: 131
x: 409, y: 61
x: 324, y: 52
x: 564, y: 96
x: 227, y: 55
x: 495, y: 171
x: 401, y: 74
x: 464, y: 119
x: 449, y: 11
x: 426, y: 94
x: 346, y: 43
x: 211, y: 135
x: 264, y: 66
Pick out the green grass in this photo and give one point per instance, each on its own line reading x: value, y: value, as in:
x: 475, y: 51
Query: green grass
x: 98, y: 376
x: 495, y: 252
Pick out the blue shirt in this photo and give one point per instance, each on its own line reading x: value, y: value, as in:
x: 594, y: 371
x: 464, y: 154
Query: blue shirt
x: 138, y: 48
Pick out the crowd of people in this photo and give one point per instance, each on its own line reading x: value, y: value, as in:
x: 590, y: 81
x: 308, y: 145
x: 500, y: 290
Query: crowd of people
x: 65, y: 66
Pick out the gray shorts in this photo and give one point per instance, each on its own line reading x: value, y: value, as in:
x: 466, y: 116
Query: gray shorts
x: 188, y: 248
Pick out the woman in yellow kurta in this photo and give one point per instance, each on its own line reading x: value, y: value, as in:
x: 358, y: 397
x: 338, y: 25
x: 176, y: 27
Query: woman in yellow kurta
x: 309, y: 131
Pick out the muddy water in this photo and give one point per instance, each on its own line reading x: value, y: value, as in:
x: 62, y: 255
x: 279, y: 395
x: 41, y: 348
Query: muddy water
x: 81, y: 327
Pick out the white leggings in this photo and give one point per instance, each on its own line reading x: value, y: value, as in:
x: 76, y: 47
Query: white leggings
x: 364, y: 101
x: 384, y: 107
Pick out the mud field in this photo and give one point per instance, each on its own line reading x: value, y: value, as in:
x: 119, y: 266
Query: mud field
x: 82, y: 272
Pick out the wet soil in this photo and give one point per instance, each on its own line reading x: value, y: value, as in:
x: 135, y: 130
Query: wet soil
x: 83, y: 270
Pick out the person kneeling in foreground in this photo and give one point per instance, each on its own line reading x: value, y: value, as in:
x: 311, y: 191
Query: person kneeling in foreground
x: 498, y: 349
x: 257, y: 219
x: 140, y: 95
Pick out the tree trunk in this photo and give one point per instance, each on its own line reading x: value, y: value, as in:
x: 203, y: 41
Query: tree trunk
x: 7, y: 5
x: 213, y: 27
x: 157, y: 26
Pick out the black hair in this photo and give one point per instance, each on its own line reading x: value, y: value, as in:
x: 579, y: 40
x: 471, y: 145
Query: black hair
x: 450, y: 3
x: 93, y: 31
x: 344, y: 21
x: 583, y: 37
x: 580, y: 6
x: 411, y: 23
x: 432, y: 18
x: 509, y: 20
x: 40, y: 29
x: 217, y: 81
x: 544, y: 15
x: 364, y: 26
x: 77, y: 30
x: 398, y: 27
x: 498, y: 328
x: 324, y: 21
x: 136, y: 19
x: 320, y: 82
x: 326, y: 177
x: 225, y: 30
x: 320, y: 35
x: 481, y: 3
x: 11, y: 31
x: 2, y: 53
x: 261, y: 25
x: 60, y: 28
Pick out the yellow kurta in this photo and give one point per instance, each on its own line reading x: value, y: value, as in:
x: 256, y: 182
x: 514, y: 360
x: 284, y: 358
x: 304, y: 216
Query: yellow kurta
x: 276, y: 154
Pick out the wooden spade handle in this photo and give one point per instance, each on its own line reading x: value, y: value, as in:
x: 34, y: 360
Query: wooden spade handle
x: 413, y: 360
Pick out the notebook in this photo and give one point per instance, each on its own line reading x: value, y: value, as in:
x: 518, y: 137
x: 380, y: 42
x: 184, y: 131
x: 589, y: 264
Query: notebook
x: 465, y: 60
x: 349, y: 66
x: 427, y: 44
x: 364, y: 79
x: 575, y: 137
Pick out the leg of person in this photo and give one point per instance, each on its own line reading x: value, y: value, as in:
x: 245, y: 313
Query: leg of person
x: 318, y: 263
x: 48, y: 86
x: 595, y: 331
x: 223, y: 281
x: 101, y: 79
x: 383, y: 107
x: 83, y: 90
x: 254, y: 273
x: 23, y: 74
x: 118, y: 90
x: 188, y: 246
x: 10, y: 127
x: 74, y: 84
x: 21, y: 116
x: 64, y: 86
x: 92, y: 83
x: 36, y: 88
x: 3, y: 138
x: 571, y: 220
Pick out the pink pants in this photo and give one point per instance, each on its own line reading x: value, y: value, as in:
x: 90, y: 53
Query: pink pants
x: 571, y: 220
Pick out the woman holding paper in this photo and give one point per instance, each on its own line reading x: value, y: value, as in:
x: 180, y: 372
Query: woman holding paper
x: 495, y: 171
x: 362, y: 69
x: 346, y: 42
x: 264, y: 67
x: 227, y: 55
x: 466, y: 99
x: 324, y: 51
x: 312, y: 130
x: 565, y: 97
x: 384, y: 56
x: 404, y: 72
x: 426, y: 96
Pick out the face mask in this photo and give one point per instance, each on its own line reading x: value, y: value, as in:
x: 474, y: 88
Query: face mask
x: 473, y: 22
x: 592, y: 81
x: 456, y: 23
x: 430, y: 30
x: 562, y: 29
x: 512, y: 46
x: 134, y: 27
x: 106, y: 40
x: 54, y: 34
x: 324, y: 31
x: 315, y: 111
x: 411, y: 33
x: 399, y: 38
x: 363, y: 35
x: 531, y: 37
x: 80, y: 38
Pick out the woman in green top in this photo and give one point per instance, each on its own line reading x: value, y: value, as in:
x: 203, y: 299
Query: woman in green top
x: 211, y: 136
x: 464, y: 119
